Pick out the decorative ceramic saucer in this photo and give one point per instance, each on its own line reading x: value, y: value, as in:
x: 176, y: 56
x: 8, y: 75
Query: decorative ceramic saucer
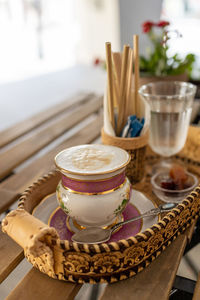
x: 72, y: 225
x: 65, y: 226
x: 49, y: 212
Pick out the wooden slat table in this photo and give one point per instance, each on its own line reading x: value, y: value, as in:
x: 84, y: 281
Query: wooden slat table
x: 27, y: 151
x: 196, y: 295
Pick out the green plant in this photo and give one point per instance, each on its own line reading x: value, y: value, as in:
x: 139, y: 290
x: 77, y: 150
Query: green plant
x: 159, y: 62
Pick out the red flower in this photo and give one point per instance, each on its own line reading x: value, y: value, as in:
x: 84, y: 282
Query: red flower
x: 163, y: 23
x: 96, y: 61
x: 146, y: 26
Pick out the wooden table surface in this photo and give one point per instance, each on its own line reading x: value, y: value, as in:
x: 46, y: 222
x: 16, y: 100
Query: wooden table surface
x: 27, y: 151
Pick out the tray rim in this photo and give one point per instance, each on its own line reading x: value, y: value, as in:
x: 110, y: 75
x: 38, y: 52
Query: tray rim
x: 121, y: 243
x: 156, y: 239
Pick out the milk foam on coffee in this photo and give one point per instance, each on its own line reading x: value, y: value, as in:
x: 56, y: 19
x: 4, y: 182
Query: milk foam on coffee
x: 91, y: 159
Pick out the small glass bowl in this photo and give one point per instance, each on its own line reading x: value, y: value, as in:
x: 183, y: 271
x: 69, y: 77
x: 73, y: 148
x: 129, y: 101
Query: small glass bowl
x: 171, y: 195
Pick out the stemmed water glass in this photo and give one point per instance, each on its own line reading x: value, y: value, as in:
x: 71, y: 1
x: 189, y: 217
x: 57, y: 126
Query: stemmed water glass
x: 170, y: 108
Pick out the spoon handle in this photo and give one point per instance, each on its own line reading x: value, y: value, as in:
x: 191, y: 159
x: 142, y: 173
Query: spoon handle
x: 152, y: 212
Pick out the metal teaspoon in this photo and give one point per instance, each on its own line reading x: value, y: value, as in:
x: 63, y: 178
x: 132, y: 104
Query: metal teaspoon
x: 97, y: 235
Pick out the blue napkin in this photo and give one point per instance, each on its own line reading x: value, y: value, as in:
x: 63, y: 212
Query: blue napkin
x: 133, y: 127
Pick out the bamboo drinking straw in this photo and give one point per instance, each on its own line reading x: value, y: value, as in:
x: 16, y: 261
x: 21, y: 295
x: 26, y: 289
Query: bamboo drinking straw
x: 129, y: 110
x: 122, y: 94
x: 117, y: 66
x: 136, y: 71
x: 110, y: 84
x: 115, y: 94
x: 116, y: 56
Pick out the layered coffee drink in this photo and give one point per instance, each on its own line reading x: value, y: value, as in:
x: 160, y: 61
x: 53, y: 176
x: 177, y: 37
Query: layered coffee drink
x: 91, y: 159
x: 94, y: 189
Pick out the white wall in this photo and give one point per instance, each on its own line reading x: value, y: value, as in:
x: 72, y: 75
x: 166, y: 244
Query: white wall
x: 99, y: 23
x: 112, y: 20
x: 132, y: 14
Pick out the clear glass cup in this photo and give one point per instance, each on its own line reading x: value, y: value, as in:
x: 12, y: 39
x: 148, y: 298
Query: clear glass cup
x: 170, y: 108
x: 170, y: 104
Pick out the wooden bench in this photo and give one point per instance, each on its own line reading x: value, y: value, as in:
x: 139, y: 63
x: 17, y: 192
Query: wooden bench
x: 27, y: 151
x: 196, y: 295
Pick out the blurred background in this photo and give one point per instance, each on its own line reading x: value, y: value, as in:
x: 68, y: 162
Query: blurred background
x: 42, y: 36
x: 51, y: 49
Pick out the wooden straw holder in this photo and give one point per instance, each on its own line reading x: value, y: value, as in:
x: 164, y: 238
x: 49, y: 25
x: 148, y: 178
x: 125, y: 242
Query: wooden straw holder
x: 136, y: 147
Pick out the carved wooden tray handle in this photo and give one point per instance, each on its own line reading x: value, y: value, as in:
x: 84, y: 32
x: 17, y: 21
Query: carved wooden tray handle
x: 33, y: 236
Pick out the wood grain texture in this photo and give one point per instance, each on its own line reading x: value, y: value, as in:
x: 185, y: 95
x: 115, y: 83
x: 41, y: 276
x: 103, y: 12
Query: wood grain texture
x: 190, y: 231
x: 10, y: 255
x: 6, y: 196
x: 155, y: 281
x: 36, y: 285
x: 196, y: 295
x: 10, y: 134
x: 25, y: 149
x: 20, y: 181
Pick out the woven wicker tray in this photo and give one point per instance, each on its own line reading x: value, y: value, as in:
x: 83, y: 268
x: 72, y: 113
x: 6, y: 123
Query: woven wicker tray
x: 109, y: 262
